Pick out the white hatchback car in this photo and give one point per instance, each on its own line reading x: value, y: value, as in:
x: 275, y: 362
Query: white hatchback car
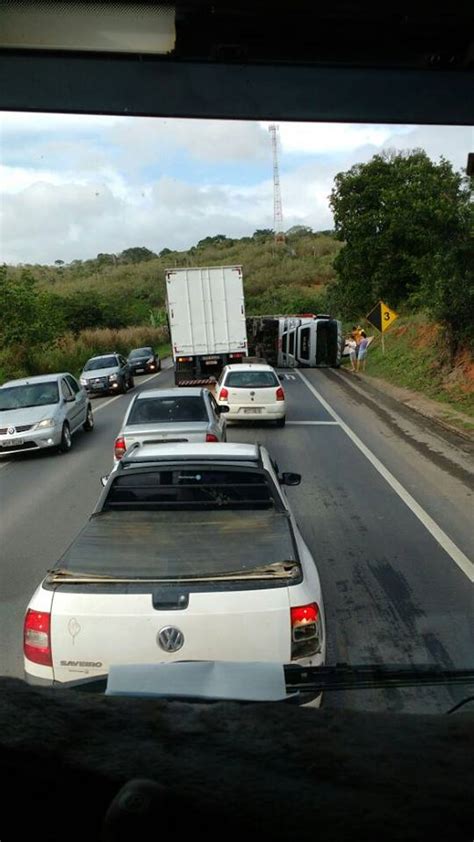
x: 252, y: 392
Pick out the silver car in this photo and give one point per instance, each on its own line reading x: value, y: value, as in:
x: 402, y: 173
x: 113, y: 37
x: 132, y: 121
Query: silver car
x: 172, y: 415
x: 42, y: 412
x: 107, y: 373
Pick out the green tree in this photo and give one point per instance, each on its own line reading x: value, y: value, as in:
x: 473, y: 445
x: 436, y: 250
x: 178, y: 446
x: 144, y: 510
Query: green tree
x: 448, y: 288
x: 394, y: 213
x: 29, y: 316
x: 299, y: 231
x: 263, y: 234
x: 138, y: 254
x: 84, y: 309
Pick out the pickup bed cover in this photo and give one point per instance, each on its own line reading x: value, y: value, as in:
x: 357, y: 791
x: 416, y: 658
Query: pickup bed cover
x: 179, y: 544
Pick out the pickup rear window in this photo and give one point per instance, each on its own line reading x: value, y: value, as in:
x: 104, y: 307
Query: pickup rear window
x: 168, y: 410
x: 191, y: 488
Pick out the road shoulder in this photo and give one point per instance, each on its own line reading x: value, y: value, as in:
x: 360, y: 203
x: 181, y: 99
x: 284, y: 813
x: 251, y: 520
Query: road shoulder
x: 443, y: 415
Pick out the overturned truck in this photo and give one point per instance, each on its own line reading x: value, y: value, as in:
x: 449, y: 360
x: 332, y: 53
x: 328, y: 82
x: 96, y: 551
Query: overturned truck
x: 307, y: 340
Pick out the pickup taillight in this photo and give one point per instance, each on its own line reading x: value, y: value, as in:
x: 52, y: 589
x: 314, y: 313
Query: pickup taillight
x: 37, y: 637
x: 306, y: 630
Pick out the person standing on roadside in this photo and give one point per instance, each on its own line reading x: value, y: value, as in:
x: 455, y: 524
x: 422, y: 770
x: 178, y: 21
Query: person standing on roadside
x: 362, y: 350
x: 352, y: 345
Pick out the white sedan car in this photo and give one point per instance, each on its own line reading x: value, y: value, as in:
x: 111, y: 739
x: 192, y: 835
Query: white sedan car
x: 191, y: 554
x: 252, y: 392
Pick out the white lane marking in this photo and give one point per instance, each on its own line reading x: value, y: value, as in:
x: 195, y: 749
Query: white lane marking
x: 314, y: 423
x: 457, y: 555
x: 116, y: 397
x: 4, y: 465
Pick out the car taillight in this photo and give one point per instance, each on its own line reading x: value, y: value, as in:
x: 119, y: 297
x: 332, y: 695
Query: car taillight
x: 306, y: 630
x: 37, y: 637
x: 280, y: 395
x: 211, y: 437
x: 119, y: 447
x: 224, y: 394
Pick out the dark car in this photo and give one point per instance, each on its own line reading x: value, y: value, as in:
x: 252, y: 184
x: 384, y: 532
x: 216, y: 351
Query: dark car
x: 144, y: 360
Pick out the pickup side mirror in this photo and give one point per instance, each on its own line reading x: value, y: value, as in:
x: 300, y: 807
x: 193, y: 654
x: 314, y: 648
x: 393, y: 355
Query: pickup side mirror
x: 289, y: 479
x: 224, y: 409
x: 104, y: 480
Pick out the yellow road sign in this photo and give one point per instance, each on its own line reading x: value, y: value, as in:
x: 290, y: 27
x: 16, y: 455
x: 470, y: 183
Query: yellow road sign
x: 388, y: 316
x: 381, y: 316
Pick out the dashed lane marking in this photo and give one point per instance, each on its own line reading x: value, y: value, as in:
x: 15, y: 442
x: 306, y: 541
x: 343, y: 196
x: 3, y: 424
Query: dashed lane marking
x: 314, y: 423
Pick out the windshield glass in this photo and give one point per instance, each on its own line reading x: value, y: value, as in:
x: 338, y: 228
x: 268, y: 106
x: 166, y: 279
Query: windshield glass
x: 140, y: 352
x: 251, y: 379
x: 217, y: 242
x: 168, y: 410
x: 35, y: 394
x: 101, y: 362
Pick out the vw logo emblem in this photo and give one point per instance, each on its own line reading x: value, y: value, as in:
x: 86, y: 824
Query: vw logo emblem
x: 170, y: 639
x: 11, y: 431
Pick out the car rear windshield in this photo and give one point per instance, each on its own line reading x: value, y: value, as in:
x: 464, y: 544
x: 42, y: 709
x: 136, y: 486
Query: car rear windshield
x: 251, y: 379
x: 33, y: 394
x: 167, y: 410
x: 191, y: 488
x: 140, y: 352
x: 100, y: 362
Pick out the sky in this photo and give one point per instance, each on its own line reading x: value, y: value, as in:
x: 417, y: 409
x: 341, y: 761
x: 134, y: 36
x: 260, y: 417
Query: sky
x: 72, y: 186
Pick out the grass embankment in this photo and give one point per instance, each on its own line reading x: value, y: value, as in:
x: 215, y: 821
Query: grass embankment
x: 69, y: 353
x: 417, y: 358
x: 287, y: 278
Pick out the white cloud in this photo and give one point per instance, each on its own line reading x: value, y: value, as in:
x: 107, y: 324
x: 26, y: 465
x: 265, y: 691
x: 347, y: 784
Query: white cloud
x: 75, y: 186
x: 32, y: 123
x: 331, y: 138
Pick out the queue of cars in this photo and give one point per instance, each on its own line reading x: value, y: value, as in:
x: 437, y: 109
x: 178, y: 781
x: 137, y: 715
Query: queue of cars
x: 114, y: 373
x: 192, y: 552
x: 44, y: 412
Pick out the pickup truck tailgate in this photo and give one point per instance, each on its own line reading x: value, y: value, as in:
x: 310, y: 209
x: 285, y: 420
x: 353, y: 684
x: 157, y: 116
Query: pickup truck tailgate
x: 210, y: 575
x: 92, y: 631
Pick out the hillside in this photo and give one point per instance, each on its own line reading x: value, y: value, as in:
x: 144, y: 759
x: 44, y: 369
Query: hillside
x: 289, y: 277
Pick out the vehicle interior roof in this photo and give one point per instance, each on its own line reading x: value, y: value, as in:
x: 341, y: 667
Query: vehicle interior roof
x: 344, y: 61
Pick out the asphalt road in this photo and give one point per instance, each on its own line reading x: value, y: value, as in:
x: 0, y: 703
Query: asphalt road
x: 386, y: 506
